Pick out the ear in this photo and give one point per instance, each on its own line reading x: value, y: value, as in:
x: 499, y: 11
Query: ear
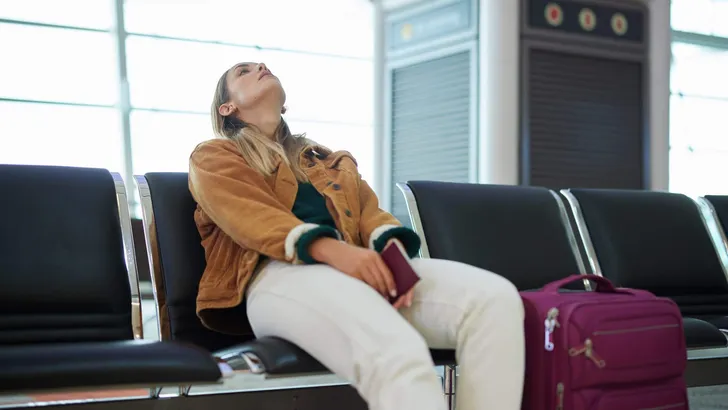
x: 226, y: 109
x: 283, y: 110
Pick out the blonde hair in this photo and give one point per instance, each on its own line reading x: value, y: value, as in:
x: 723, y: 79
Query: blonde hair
x: 259, y: 151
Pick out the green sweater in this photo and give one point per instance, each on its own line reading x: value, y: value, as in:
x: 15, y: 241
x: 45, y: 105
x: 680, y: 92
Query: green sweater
x: 310, y: 207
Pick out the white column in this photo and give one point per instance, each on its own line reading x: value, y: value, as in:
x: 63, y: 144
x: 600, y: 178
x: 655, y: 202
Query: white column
x: 660, y: 43
x: 499, y: 98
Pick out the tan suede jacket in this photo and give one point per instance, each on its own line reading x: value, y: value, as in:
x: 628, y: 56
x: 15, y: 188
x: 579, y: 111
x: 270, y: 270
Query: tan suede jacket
x: 242, y: 216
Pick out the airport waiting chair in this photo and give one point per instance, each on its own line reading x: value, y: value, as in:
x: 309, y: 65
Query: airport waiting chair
x: 522, y: 233
x: 177, y: 262
x: 517, y: 232
x: 67, y: 316
x: 656, y: 241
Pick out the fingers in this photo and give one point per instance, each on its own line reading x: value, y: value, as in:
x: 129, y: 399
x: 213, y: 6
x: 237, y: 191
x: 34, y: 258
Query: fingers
x: 376, y: 280
x: 387, y: 276
x: 405, y: 300
x: 370, y: 279
x: 377, y: 275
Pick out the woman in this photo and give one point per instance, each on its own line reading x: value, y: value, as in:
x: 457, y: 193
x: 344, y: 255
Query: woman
x: 300, y: 217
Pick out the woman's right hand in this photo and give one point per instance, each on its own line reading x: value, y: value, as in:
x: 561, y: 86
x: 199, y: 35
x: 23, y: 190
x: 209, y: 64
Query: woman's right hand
x: 360, y: 263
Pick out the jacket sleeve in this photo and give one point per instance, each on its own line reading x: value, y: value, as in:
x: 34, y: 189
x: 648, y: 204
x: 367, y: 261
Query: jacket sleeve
x: 240, y: 202
x: 377, y: 226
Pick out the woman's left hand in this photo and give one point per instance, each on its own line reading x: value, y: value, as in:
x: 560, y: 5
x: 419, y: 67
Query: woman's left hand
x: 405, y: 300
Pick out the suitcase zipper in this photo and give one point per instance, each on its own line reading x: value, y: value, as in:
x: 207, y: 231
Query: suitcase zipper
x: 588, y: 351
x: 560, y: 396
x: 634, y: 329
x: 666, y: 407
x: 550, y: 324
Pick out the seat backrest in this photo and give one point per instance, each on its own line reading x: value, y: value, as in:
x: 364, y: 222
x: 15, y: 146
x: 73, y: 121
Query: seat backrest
x: 719, y: 203
x: 518, y: 232
x: 63, y: 277
x: 180, y: 258
x: 651, y: 240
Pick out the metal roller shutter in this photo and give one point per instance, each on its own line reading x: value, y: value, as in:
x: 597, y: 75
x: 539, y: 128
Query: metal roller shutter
x: 430, y: 124
x: 585, y: 120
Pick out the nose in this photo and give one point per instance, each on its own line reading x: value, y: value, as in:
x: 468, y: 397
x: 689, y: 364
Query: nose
x: 262, y: 67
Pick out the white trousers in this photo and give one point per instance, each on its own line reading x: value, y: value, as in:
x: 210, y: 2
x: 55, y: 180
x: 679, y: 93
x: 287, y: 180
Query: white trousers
x: 356, y: 333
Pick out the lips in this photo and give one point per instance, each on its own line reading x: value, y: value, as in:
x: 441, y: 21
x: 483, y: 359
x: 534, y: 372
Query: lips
x: 264, y: 74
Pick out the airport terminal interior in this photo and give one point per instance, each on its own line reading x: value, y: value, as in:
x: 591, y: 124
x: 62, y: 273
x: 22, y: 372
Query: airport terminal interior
x: 536, y: 139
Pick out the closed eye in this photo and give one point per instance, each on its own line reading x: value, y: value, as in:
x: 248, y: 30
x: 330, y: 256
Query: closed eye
x: 243, y: 69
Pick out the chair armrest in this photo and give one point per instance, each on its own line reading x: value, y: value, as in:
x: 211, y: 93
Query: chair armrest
x: 701, y: 334
x: 104, y: 364
x: 270, y: 355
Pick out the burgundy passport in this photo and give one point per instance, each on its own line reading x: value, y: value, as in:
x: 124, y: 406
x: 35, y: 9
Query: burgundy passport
x: 396, y: 259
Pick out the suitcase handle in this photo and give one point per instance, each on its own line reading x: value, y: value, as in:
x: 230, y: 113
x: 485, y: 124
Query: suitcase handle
x: 603, y: 284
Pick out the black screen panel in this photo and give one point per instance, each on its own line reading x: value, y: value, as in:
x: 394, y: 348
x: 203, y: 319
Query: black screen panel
x: 584, y: 122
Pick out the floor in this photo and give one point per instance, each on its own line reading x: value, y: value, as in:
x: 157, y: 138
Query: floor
x: 708, y: 398
x: 701, y: 398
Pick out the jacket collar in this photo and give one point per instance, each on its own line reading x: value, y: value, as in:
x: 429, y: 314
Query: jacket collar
x: 329, y: 158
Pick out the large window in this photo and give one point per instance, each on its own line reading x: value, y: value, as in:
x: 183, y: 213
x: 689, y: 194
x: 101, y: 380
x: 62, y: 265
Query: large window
x: 93, y: 14
x: 64, y: 99
x: 51, y: 134
x: 321, y: 50
x: 58, y: 85
x: 699, y: 97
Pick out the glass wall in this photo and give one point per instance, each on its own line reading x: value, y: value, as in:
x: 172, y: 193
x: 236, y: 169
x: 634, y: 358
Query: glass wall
x: 699, y: 97
x: 63, y: 100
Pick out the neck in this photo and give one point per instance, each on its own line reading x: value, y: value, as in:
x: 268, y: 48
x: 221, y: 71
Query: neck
x: 266, y: 122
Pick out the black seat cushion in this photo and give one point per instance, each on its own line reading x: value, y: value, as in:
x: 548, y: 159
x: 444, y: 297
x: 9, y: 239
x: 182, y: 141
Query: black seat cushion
x: 701, y: 334
x: 63, y: 276
x: 110, y: 364
x: 514, y: 231
x: 656, y: 241
x: 719, y: 321
x: 182, y: 262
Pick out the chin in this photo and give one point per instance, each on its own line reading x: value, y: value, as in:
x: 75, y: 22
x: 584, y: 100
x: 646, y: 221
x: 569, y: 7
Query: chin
x: 270, y: 88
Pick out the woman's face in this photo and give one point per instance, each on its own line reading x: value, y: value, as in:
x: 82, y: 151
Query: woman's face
x: 251, y: 85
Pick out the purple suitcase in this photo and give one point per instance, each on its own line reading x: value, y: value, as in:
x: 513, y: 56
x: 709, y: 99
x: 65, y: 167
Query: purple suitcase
x: 610, y: 349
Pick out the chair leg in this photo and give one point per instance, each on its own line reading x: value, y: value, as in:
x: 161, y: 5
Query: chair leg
x: 449, y: 387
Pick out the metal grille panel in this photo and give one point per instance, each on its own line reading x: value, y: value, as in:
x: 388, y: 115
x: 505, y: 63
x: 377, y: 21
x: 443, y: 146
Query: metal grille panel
x: 585, y: 122
x: 430, y: 124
